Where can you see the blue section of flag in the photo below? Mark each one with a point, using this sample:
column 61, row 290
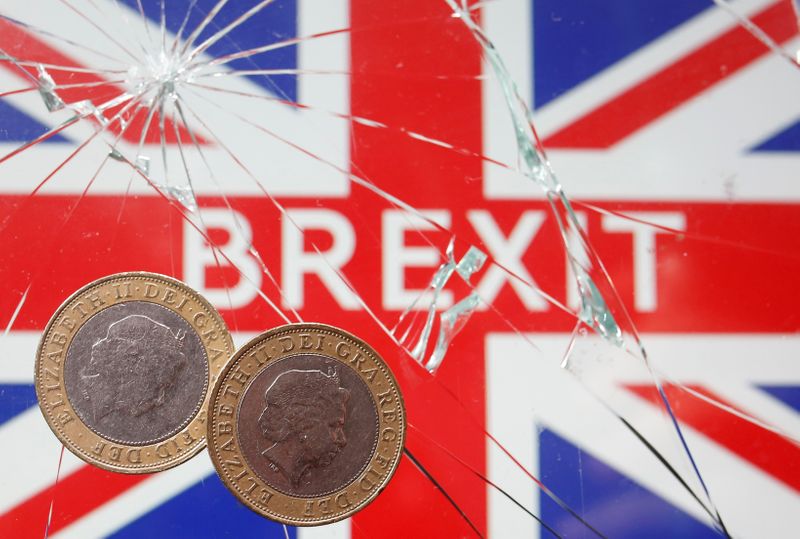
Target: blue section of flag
column 16, row 126
column 786, row 140
column 15, row 399
column 611, row 502
column 789, row 395
column 207, row 509
column 576, row 39
column 274, row 23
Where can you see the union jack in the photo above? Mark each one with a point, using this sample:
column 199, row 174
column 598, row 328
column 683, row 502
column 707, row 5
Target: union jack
column 333, row 174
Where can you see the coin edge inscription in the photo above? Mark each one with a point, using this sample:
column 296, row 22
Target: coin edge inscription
column 154, row 462
column 297, row 517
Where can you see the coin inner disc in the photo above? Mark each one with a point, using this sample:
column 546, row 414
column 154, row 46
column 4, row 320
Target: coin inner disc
column 307, row 425
column 136, row 373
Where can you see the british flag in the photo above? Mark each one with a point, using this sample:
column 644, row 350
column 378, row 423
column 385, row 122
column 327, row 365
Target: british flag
column 330, row 156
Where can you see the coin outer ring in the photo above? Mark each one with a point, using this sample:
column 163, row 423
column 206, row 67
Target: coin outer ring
column 52, row 350
column 223, row 429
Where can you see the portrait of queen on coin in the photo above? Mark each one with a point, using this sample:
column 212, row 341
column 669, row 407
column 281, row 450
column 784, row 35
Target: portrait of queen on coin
column 304, row 417
column 135, row 343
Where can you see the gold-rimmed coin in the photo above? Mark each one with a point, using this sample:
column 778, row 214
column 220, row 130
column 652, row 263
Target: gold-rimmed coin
column 124, row 370
column 306, row 424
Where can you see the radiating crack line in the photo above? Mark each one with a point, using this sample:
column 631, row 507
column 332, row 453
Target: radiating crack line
column 62, row 87
column 466, row 412
column 180, row 208
column 251, row 248
column 244, row 17
column 15, row 314
column 284, row 213
column 148, row 119
column 100, row 29
column 202, row 26
column 83, row 145
column 294, row 41
column 65, row 124
column 175, row 125
column 398, row 203
column 324, row 258
column 115, row 22
column 55, row 234
column 52, row 35
column 741, row 414
column 531, row 150
column 128, row 24
column 267, row 72
column 53, row 499
column 685, row 233
column 757, row 32
column 145, row 23
column 58, row 67
column 486, row 480
column 225, row 59
column 442, row 490
column 163, row 27
column 182, row 27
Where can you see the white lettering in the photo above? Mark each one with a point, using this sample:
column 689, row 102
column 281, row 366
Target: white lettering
column 397, row 256
column 508, row 251
column 297, row 262
column 644, row 227
column 199, row 255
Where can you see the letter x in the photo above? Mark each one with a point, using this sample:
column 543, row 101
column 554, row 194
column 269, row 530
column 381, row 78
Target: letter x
column 508, row 251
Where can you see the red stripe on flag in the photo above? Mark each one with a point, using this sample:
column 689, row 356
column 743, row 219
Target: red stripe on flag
column 73, row 497
column 26, row 47
column 769, row 451
column 676, row 84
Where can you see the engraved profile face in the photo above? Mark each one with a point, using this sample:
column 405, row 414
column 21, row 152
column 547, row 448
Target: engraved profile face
column 308, row 424
column 303, row 420
column 113, row 379
column 136, row 373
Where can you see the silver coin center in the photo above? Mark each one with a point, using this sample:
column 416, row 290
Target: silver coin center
column 136, row 373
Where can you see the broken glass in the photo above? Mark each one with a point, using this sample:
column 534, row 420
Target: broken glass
column 570, row 228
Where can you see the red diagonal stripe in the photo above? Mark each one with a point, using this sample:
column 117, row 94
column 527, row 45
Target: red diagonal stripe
column 73, row 497
column 21, row 44
column 771, row 452
column 679, row 82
